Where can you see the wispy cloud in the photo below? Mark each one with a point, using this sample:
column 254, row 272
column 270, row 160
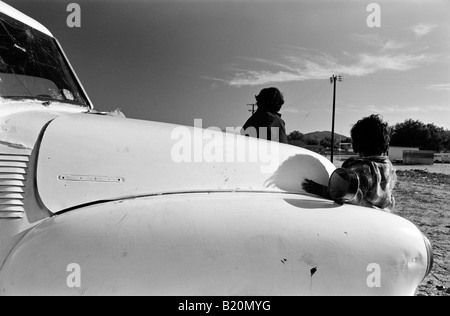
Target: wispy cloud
column 423, row 29
column 311, row 66
column 389, row 109
column 376, row 41
column 290, row 110
column 440, row 87
column 396, row 109
column 441, row 108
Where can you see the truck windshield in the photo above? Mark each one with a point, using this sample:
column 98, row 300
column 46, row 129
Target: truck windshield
column 33, row 67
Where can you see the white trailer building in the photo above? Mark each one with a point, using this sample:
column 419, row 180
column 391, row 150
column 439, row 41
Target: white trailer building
column 396, row 153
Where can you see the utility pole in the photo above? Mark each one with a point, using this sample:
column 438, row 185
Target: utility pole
column 333, row 80
column 253, row 108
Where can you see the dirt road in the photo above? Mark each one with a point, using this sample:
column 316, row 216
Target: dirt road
column 424, row 198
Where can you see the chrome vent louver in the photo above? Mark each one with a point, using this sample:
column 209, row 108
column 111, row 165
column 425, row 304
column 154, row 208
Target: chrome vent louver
column 13, row 174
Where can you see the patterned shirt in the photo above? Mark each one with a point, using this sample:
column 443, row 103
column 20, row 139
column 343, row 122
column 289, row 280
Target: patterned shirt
column 378, row 179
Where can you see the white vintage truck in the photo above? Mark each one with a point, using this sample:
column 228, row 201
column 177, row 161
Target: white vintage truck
column 95, row 204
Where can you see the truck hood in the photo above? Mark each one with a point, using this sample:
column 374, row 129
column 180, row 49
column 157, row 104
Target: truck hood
column 86, row 159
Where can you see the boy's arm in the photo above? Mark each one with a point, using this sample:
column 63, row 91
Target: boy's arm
column 316, row 188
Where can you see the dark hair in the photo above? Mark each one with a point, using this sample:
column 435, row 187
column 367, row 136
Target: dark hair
column 371, row 136
column 270, row 99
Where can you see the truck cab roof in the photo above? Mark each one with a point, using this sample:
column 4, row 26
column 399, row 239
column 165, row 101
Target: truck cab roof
column 19, row 16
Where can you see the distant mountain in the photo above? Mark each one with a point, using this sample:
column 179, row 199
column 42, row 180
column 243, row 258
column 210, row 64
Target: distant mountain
column 322, row 135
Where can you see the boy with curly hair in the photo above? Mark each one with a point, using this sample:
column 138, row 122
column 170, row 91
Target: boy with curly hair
column 377, row 175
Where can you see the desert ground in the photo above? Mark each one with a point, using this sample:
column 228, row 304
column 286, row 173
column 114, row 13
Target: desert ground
column 423, row 197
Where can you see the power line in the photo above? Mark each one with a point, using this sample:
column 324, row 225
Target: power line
column 320, row 99
column 392, row 82
column 309, row 95
column 391, row 79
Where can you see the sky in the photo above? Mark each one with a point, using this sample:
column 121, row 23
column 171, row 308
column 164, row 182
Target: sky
column 179, row 60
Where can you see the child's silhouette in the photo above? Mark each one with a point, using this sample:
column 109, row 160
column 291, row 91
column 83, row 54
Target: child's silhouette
column 374, row 170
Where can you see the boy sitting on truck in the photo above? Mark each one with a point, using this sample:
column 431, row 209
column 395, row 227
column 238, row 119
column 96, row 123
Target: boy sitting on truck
column 375, row 172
